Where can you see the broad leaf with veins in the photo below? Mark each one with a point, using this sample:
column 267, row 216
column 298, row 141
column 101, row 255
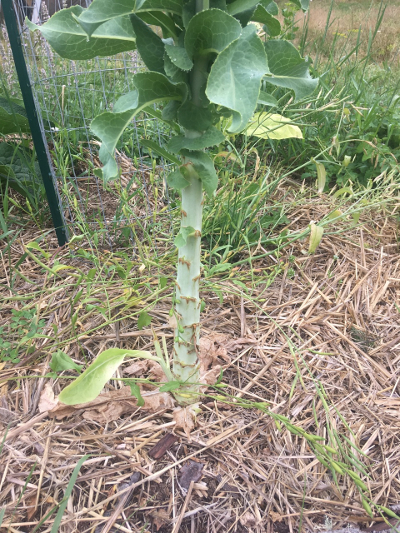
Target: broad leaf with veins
column 235, row 77
column 210, row 31
column 70, row 40
column 288, row 69
column 151, row 87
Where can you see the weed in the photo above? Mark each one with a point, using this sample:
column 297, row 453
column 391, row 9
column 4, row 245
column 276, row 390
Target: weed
column 23, row 329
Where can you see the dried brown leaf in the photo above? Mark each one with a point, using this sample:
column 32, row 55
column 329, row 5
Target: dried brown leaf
column 47, row 400
column 212, row 350
column 248, row 520
column 147, row 368
column 185, row 418
column 159, row 518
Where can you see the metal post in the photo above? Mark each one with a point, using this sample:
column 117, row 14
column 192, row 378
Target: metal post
column 38, row 138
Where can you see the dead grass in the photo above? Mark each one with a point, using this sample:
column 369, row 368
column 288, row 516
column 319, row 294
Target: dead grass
column 337, row 308
column 346, row 20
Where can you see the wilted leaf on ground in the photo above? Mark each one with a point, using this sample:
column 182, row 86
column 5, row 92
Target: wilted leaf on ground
column 248, row 520
column 212, row 350
column 272, row 126
column 185, row 418
column 89, row 384
column 47, row 400
column 146, row 369
column 112, row 405
column 315, row 237
column 159, row 518
column 61, row 361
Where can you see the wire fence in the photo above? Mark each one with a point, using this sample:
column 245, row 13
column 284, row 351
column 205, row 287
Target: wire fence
column 68, row 95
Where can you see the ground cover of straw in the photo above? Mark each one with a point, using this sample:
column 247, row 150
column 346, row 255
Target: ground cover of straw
column 337, row 308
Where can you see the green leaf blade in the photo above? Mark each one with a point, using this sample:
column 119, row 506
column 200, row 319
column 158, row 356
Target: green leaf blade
column 209, row 138
column 149, row 45
column 272, row 25
column 144, row 320
column 90, row 383
column 177, row 181
column 61, row 361
column 179, row 57
column 210, row 31
column 13, row 117
column 182, row 237
column 235, row 78
column 136, row 392
column 151, row 87
column 288, row 69
column 71, row 41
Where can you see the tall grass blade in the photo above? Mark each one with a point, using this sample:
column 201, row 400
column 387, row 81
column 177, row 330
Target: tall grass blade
column 68, row 492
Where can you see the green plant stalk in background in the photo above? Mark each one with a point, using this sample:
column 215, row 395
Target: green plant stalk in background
column 208, row 71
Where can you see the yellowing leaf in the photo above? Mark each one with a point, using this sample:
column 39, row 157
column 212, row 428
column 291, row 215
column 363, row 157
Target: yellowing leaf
column 272, row 126
column 315, row 237
column 335, row 214
column 321, row 176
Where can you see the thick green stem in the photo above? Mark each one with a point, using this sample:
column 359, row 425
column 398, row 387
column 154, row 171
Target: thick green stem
column 187, row 334
column 186, row 367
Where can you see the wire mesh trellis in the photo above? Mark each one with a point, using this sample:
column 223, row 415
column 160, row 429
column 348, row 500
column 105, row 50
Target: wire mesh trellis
column 68, row 95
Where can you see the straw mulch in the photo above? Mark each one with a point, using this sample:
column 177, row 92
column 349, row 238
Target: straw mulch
column 330, row 318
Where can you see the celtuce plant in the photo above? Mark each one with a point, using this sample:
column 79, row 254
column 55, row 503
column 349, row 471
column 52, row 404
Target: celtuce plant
column 207, row 65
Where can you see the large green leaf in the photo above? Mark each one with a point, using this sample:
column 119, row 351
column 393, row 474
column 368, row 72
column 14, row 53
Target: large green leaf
column 179, row 57
column 189, row 9
column 101, row 11
column 288, row 69
column 90, row 383
column 204, row 167
column 70, row 40
column 211, row 137
column 151, row 87
column 271, row 7
column 235, row 78
column 149, row 45
column 272, row 25
column 13, row 117
column 272, row 126
column 210, row 31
